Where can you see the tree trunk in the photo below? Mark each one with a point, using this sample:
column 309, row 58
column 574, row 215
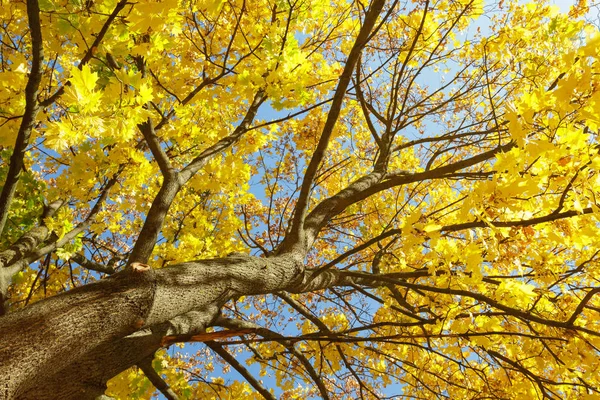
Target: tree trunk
column 69, row 346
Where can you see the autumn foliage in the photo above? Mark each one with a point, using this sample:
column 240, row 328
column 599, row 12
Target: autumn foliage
column 299, row 199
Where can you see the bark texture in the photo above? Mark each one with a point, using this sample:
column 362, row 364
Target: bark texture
column 109, row 326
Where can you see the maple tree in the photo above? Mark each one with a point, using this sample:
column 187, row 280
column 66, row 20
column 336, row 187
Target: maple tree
column 333, row 199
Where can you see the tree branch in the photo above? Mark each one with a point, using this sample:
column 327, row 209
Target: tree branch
column 582, row 305
column 91, row 265
column 16, row 261
column 29, row 116
column 268, row 334
column 364, row 107
column 296, row 233
column 173, row 182
column 23, row 246
column 146, row 366
column 375, row 182
column 30, row 239
column 459, row 227
column 90, row 51
column 330, row 278
column 147, row 129
column 303, row 311
column 224, row 354
column 201, row 160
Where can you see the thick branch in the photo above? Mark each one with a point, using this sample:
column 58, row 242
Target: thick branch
column 23, row 246
column 296, row 234
column 29, row 116
column 375, row 182
column 30, row 239
column 173, row 182
column 582, row 304
column 402, row 178
column 91, row 265
column 154, row 220
column 81, row 227
column 25, row 250
column 147, row 129
column 331, row 278
column 129, row 306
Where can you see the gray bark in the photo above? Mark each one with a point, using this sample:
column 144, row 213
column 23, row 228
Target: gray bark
column 106, row 327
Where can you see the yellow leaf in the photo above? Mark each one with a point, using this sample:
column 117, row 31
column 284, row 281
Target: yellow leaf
column 432, row 228
column 83, row 80
column 145, row 93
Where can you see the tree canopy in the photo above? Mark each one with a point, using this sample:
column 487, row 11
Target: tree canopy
column 296, row 199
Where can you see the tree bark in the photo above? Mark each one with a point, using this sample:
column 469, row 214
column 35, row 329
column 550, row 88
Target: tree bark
column 68, row 346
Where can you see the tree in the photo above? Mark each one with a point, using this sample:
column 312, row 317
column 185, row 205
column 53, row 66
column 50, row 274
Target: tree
column 338, row 199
